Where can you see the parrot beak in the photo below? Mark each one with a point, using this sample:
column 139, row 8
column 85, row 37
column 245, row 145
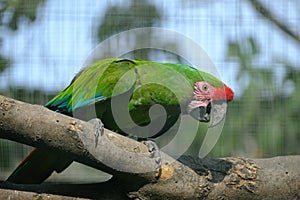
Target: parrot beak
column 219, row 109
column 202, row 113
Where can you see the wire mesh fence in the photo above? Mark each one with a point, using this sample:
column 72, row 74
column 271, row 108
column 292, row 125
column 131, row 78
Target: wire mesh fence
column 43, row 44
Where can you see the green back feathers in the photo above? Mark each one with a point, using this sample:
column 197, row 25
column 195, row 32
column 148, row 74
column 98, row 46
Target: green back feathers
column 195, row 75
column 153, row 82
column 91, row 84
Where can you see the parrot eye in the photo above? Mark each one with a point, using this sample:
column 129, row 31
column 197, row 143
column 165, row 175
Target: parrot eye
column 204, row 87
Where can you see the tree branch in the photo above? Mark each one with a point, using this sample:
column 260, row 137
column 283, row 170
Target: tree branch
column 37, row 126
column 188, row 178
column 266, row 13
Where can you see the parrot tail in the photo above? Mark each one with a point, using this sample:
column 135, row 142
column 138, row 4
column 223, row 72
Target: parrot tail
column 37, row 167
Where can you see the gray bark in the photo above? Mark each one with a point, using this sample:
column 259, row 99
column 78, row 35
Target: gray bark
column 185, row 178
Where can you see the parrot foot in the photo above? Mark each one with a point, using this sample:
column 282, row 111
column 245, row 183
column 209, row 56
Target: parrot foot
column 99, row 129
column 154, row 152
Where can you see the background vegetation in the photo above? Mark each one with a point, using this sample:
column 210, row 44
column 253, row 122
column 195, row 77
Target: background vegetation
column 263, row 121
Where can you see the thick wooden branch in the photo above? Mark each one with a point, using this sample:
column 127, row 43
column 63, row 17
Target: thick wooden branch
column 37, row 126
column 189, row 178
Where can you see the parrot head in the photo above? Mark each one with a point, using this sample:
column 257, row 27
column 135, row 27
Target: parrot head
column 205, row 98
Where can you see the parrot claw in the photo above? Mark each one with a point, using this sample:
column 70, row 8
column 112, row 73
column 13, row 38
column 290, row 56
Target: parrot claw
column 99, row 129
column 154, row 152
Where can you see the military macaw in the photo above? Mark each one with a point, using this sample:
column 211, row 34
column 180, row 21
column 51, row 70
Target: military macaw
column 179, row 88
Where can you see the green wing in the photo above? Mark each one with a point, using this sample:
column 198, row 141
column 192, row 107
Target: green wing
column 92, row 84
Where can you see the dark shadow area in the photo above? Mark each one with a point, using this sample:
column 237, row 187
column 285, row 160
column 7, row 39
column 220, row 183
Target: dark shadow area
column 105, row 190
column 218, row 168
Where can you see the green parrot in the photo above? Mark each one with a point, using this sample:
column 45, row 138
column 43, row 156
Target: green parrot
column 125, row 94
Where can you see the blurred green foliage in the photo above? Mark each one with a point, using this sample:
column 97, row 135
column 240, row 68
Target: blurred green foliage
column 12, row 14
column 4, row 62
column 119, row 18
column 262, row 121
column 136, row 14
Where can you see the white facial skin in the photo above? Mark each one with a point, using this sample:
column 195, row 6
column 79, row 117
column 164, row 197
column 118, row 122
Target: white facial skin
column 202, row 95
